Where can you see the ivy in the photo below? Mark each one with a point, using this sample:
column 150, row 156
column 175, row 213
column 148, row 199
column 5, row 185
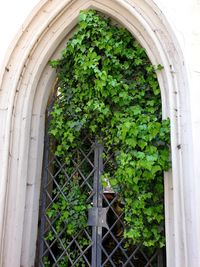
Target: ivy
column 108, row 89
column 65, row 208
column 69, row 216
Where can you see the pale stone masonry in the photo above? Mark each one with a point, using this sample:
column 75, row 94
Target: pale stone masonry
column 170, row 33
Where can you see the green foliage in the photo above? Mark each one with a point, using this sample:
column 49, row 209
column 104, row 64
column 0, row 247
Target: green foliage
column 70, row 204
column 108, row 89
column 68, row 215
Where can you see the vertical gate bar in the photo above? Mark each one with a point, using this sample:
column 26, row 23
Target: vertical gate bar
column 100, row 171
column 97, row 202
column 95, row 205
column 100, row 204
column 43, row 197
column 44, row 180
column 160, row 258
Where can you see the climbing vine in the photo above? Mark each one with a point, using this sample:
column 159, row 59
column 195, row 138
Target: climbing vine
column 108, row 90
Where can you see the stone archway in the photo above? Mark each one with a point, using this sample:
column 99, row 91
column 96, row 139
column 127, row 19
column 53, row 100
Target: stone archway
column 25, row 88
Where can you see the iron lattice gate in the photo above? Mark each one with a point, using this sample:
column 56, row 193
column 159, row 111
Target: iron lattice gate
column 101, row 241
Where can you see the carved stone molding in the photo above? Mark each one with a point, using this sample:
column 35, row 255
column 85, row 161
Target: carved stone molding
column 25, row 86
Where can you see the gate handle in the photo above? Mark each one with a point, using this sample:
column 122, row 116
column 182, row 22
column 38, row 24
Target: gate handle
column 98, row 217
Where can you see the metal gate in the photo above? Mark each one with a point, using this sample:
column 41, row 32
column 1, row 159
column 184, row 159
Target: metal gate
column 101, row 241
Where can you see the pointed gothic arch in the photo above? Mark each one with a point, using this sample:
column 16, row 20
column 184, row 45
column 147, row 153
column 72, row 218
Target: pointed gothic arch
column 24, row 91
